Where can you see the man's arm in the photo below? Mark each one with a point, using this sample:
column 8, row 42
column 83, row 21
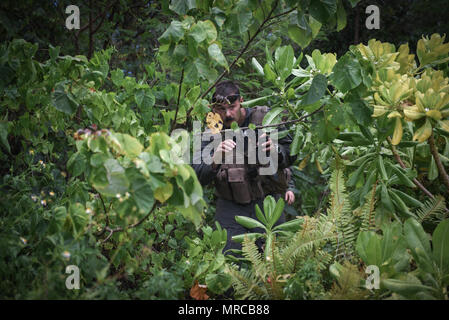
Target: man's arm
column 205, row 172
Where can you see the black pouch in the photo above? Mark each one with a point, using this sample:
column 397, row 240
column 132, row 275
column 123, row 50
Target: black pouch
column 239, row 185
column 222, row 188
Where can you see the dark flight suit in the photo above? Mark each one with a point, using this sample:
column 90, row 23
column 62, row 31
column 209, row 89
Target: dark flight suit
column 226, row 210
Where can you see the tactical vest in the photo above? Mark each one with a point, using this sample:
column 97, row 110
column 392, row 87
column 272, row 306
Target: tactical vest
column 242, row 183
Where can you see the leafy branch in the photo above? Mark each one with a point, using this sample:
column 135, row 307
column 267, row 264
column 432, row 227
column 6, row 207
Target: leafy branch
column 244, row 49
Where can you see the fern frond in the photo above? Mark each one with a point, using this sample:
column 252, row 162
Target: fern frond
column 246, row 284
column 341, row 214
column 251, row 252
column 433, row 210
column 367, row 211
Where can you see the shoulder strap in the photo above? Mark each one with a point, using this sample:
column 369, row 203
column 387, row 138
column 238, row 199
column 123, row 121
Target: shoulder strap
column 258, row 114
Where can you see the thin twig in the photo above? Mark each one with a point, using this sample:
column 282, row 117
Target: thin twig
column 119, row 229
column 173, row 124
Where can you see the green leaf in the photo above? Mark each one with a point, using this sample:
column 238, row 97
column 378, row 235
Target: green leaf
column 77, row 164
column 440, row 242
column 385, row 199
column 297, row 141
column 117, row 77
column 316, row 91
column 406, row 288
column 249, row 223
column 252, row 236
column 79, row 218
column 353, row 2
column 341, row 16
column 63, row 101
column 257, row 66
column 116, row 180
column 276, row 213
column 325, row 131
column 322, row 10
column 268, row 207
column 181, row 7
column 218, row 283
column 174, row 33
column 216, row 54
column 142, row 194
column 418, row 243
column 239, row 21
column 361, row 112
column 354, row 177
column 346, row 74
column 292, row 225
column 125, row 144
column 433, row 171
column 402, row 177
column 163, row 193
column 272, row 116
column 284, row 59
column 145, row 100
column 368, row 246
column 300, row 36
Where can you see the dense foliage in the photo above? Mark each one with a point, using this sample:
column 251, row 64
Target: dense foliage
column 91, row 162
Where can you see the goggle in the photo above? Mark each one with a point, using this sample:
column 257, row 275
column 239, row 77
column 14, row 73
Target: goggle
column 218, row 99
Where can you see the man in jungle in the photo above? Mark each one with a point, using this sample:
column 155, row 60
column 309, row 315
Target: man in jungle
column 240, row 187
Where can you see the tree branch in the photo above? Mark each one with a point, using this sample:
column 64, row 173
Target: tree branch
column 236, row 59
column 173, row 124
column 119, row 229
column 440, row 167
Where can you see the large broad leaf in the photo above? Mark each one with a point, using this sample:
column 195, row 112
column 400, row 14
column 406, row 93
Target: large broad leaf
column 63, row 101
column 216, row 54
column 361, row 112
column 316, row 91
column 300, row 36
column 369, row 248
column 440, row 241
column 325, row 130
column 285, row 58
column 249, row 223
column 277, row 212
column 406, row 288
column 181, row 7
column 145, row 100
column 218, row 283
column 142, row 194
column 174, row 33
column 77, row 164
column 117, row 182
column 322, row 10
column 341, row 16
column 272, row 116
column 239, row 21
column 346, row 74
column 125, row 144
column 419, row 244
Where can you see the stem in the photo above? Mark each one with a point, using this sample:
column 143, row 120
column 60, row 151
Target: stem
column 272, row 125
column 173, row 124
column 119, row 229
column 401, row 163
column 441, row 170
